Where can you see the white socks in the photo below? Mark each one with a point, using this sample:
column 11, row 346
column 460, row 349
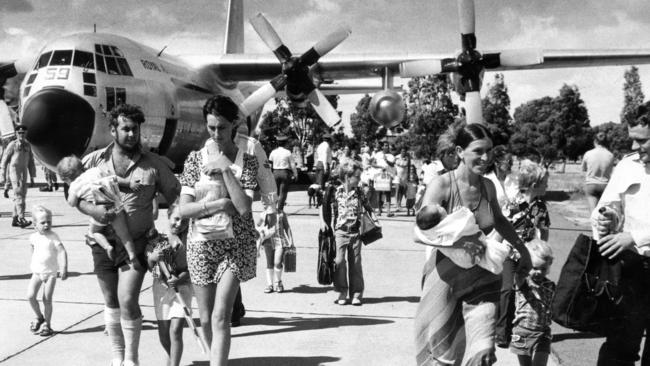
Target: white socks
column 278, row 275
column 114, row 329
column 269, row 277
column 131, row 329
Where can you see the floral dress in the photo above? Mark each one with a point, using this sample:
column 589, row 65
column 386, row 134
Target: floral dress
column 209, row 259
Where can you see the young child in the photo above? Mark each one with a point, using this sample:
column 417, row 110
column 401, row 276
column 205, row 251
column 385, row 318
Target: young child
column 46, row 250
column 274, row 249
column 411, row 192
column 98, row 188
column 531, row 335
column 314, row 194
column 169, row 251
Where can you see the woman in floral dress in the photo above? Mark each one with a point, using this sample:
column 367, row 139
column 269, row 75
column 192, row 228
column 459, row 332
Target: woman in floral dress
column 217, row 266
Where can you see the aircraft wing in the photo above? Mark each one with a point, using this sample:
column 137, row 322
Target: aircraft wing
column 258, row 67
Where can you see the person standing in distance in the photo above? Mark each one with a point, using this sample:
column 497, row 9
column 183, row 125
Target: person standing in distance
column 597, row 164
column 121, row 279
column 323, row 161
column 17, row 161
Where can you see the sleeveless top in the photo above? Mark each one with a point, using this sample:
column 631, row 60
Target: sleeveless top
column 482, row 212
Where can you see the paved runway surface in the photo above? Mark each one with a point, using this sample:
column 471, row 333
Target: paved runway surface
column 299, row 327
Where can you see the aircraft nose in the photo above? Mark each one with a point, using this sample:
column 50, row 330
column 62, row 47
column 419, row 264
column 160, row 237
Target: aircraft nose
column 59, row 123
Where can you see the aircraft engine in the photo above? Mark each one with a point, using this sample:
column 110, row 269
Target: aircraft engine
column 387, row 108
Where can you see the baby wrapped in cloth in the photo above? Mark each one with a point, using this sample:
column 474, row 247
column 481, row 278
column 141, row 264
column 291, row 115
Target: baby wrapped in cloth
column 458, row 237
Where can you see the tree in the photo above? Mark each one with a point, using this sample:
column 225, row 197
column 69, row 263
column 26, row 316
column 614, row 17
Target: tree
column 554, row 128
column 496, row 111
column 301, row 123
column 363, row 127
column 632, row 94
column 430, row 112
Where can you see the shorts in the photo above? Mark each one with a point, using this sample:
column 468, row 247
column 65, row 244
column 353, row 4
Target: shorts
column 410, row 203
column 45, row 276
column 274, row 244
column 166, row 304
column 595, row 189
column 526, row 342
column 103, row 264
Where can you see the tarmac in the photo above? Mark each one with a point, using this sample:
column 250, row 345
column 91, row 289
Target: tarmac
column 301, row 326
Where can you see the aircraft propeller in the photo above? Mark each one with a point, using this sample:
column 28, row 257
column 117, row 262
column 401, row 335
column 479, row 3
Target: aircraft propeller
column 468, row 67
column 295, row 71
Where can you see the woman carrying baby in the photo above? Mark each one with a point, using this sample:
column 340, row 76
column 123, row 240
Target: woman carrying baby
column 456, row 316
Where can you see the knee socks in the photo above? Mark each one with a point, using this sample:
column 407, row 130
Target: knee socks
column 131, row 329
column 114, row 329
column 269, row 276
column 278, row 274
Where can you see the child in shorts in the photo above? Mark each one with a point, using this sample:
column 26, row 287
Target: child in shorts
column 98, row 188
column 170, row 251
column 531, row 335
column 273, row 249
column 411, row 192
column 47, row 249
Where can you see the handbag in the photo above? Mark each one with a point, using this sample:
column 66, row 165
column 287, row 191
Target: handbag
column 289, row 259
column 590, row 295
column 382, row 182
column 283, row 231
column 369, row 229
column 326, row 255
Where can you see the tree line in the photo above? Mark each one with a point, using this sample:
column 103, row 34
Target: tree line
column 552, row 127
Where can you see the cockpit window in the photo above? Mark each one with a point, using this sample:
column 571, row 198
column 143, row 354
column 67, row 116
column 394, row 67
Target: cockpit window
column 84, row 59
column 43, row 60
column 116, row 64
column 61, row 58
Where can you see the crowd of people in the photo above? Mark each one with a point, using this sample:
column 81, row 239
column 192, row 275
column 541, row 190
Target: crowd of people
column 483, row 290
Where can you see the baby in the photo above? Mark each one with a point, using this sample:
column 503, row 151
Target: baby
column 96, row 187
column 430, row 216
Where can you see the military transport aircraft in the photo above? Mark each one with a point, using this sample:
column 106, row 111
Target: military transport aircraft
column 76, row 79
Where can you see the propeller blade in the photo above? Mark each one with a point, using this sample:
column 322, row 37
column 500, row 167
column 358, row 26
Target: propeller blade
column 262, row 95
column 325, row 45
column 323, row 107
column 466, row 16
column 473, row 108
column 411, row 69
column 265, row 30
column 523, row 57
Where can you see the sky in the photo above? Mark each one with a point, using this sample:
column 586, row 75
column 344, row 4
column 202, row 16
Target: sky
column 378, row 26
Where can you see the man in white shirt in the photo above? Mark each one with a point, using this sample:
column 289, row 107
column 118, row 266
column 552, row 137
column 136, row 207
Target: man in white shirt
column 283, row 167
column 623, row 232
column 323, row 160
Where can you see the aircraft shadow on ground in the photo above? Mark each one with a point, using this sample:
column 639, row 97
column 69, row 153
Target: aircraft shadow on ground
column 297, row 324
column 304, row 289
column 556, row 196
column 275, row 361
column 27, row 276
column 574, row 335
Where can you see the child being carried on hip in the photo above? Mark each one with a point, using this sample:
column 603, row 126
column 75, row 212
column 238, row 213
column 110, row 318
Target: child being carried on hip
column 97, row 187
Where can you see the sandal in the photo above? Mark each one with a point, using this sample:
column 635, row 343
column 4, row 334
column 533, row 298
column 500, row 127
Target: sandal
column 268, row 289
column 46, row 331
column 35, row 325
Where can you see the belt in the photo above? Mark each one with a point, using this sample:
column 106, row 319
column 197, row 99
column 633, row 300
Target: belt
column 353, row 228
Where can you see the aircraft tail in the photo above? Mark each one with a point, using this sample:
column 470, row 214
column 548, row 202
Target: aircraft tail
column 234, row 42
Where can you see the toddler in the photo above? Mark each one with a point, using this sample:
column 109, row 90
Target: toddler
column 169, row 251
column 273, row 240
column 411, row 192
column 96, row 187
column 46, row 247
column 531, row 335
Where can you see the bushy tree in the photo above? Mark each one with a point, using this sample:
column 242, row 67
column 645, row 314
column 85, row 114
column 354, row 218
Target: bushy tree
column 430, row 111
column 554, row 128
column 632, row 94
column 364, row 129
column 496, row 111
